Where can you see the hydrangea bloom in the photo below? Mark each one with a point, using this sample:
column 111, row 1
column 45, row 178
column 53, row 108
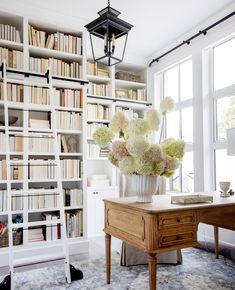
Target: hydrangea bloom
column 119, row 149
column 137, row 146
column 167, row 105
column 112, row 159
column 154, row 153
column 103, row 136
column 127, row 165
column 153, row 119
column 137, row 127
column 171, row 163
column 119, row 123
column 173, row 148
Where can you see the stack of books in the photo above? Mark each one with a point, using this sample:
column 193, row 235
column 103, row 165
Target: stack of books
column 71, row 168
column 94, row 69
column 16, row 143
column 9, row 32
column 15, row 93
column 98, row 112
column 99, row 89
column 72, row 197
column 51, row 233
column 68, row 98
column 35, row 235
column 3, row 200
column 3, row 170
column 74, row 224
column 41, row 171
column 40, row 145
column 58, row 41
column 38, row 95
column 93, row 150
column 2, row 142
column 91, row 127
column 98, row 180
column 14, row 58
column 39, row 123
column 137, row 95
column 69, row 120
column 16, row 170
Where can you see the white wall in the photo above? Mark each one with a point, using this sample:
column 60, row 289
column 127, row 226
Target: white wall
column 202, row 107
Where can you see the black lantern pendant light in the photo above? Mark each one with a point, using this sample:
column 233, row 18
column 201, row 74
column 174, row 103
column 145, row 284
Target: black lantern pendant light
column 109, row 33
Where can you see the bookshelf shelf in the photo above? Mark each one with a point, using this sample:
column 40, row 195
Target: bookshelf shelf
column 43, row 210
column 48, row 53
column 129, row 84
column 11, row 44
column 98, row 121
column 70, row 109
column 95, row 78
column 72, row 180
column 71, row 154
column 73, row 207
column 69, row 132
column 2, row 213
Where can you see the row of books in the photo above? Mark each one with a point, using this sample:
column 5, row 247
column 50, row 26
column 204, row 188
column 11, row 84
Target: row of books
column 91, row 127
column 72, row 197
column 40, row 201
column 138, row 94
column 52, row 232
column 16, row 143
column 69, row 120
column 17, row 203
column 39, row 123
column 9, row 32
column 129, row 113
column 39, row 65
column 98, row 112
column 3, row 170
column 94, row 69
column 14, row 58
column 71, row 168
column 41, row 145
column 35, row 235
column 99, row 89
column 68, row 98
column 39, row 95
column 74, row 224
column 3, row 200
column 2, row 142
column 15, row 93
column 93, row 150
column 57, row 40
column 16, row 171
column 42, row 171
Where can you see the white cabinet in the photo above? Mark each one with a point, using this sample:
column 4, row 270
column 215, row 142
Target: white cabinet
column 95, row 209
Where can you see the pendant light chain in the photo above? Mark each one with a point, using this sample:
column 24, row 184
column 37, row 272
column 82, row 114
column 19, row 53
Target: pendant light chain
column 108, row 3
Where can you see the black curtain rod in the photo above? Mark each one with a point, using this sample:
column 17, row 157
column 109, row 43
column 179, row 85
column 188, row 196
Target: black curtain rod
column 187, row 41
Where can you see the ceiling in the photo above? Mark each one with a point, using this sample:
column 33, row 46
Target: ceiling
column 156, row 22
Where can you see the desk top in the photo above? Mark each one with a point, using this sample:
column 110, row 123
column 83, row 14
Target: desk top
column 162, row 203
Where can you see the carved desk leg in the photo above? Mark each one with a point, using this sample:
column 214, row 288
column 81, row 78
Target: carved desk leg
column 152, row 261
column 108, row 257
column 216, row 241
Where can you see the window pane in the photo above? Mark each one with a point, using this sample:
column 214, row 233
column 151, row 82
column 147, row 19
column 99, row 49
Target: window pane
column 171, row 85
column 176, row 181
column 225, row 116
column 186, row 84
column 224, row 168
column 187, row 125
column 224, row 65
column 187, row 173
column 172, row 124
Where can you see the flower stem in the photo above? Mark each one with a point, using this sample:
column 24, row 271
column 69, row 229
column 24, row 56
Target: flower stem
column 163, row 122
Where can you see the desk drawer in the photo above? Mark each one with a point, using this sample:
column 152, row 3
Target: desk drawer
column 176, row 219
column 173, row 239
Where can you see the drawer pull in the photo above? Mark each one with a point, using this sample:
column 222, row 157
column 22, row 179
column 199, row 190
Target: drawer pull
column 177, row 237
column 178, row 220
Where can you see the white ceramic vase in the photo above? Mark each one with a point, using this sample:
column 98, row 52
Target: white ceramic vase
column 144, row 187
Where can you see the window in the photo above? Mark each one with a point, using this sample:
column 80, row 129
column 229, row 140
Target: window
column 223, row 97
column 177, row 83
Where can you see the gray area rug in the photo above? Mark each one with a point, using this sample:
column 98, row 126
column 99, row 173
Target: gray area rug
column 199, row 271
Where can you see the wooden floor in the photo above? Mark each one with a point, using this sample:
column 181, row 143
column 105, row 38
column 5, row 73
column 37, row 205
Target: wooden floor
column 96, row 251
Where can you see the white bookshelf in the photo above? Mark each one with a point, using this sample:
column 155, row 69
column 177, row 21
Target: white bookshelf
column 91, row 165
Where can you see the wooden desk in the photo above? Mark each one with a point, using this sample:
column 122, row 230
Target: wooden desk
column 161, row 226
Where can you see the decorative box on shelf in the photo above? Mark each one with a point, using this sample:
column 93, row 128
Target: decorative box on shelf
column 127, row 76
column 191, row 199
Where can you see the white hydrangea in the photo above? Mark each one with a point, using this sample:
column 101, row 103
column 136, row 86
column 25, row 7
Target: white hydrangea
column 152, row 118
column 137, row 146
column 119, row 123
column 137, row 127
column 167, row 105
column 127, row 165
